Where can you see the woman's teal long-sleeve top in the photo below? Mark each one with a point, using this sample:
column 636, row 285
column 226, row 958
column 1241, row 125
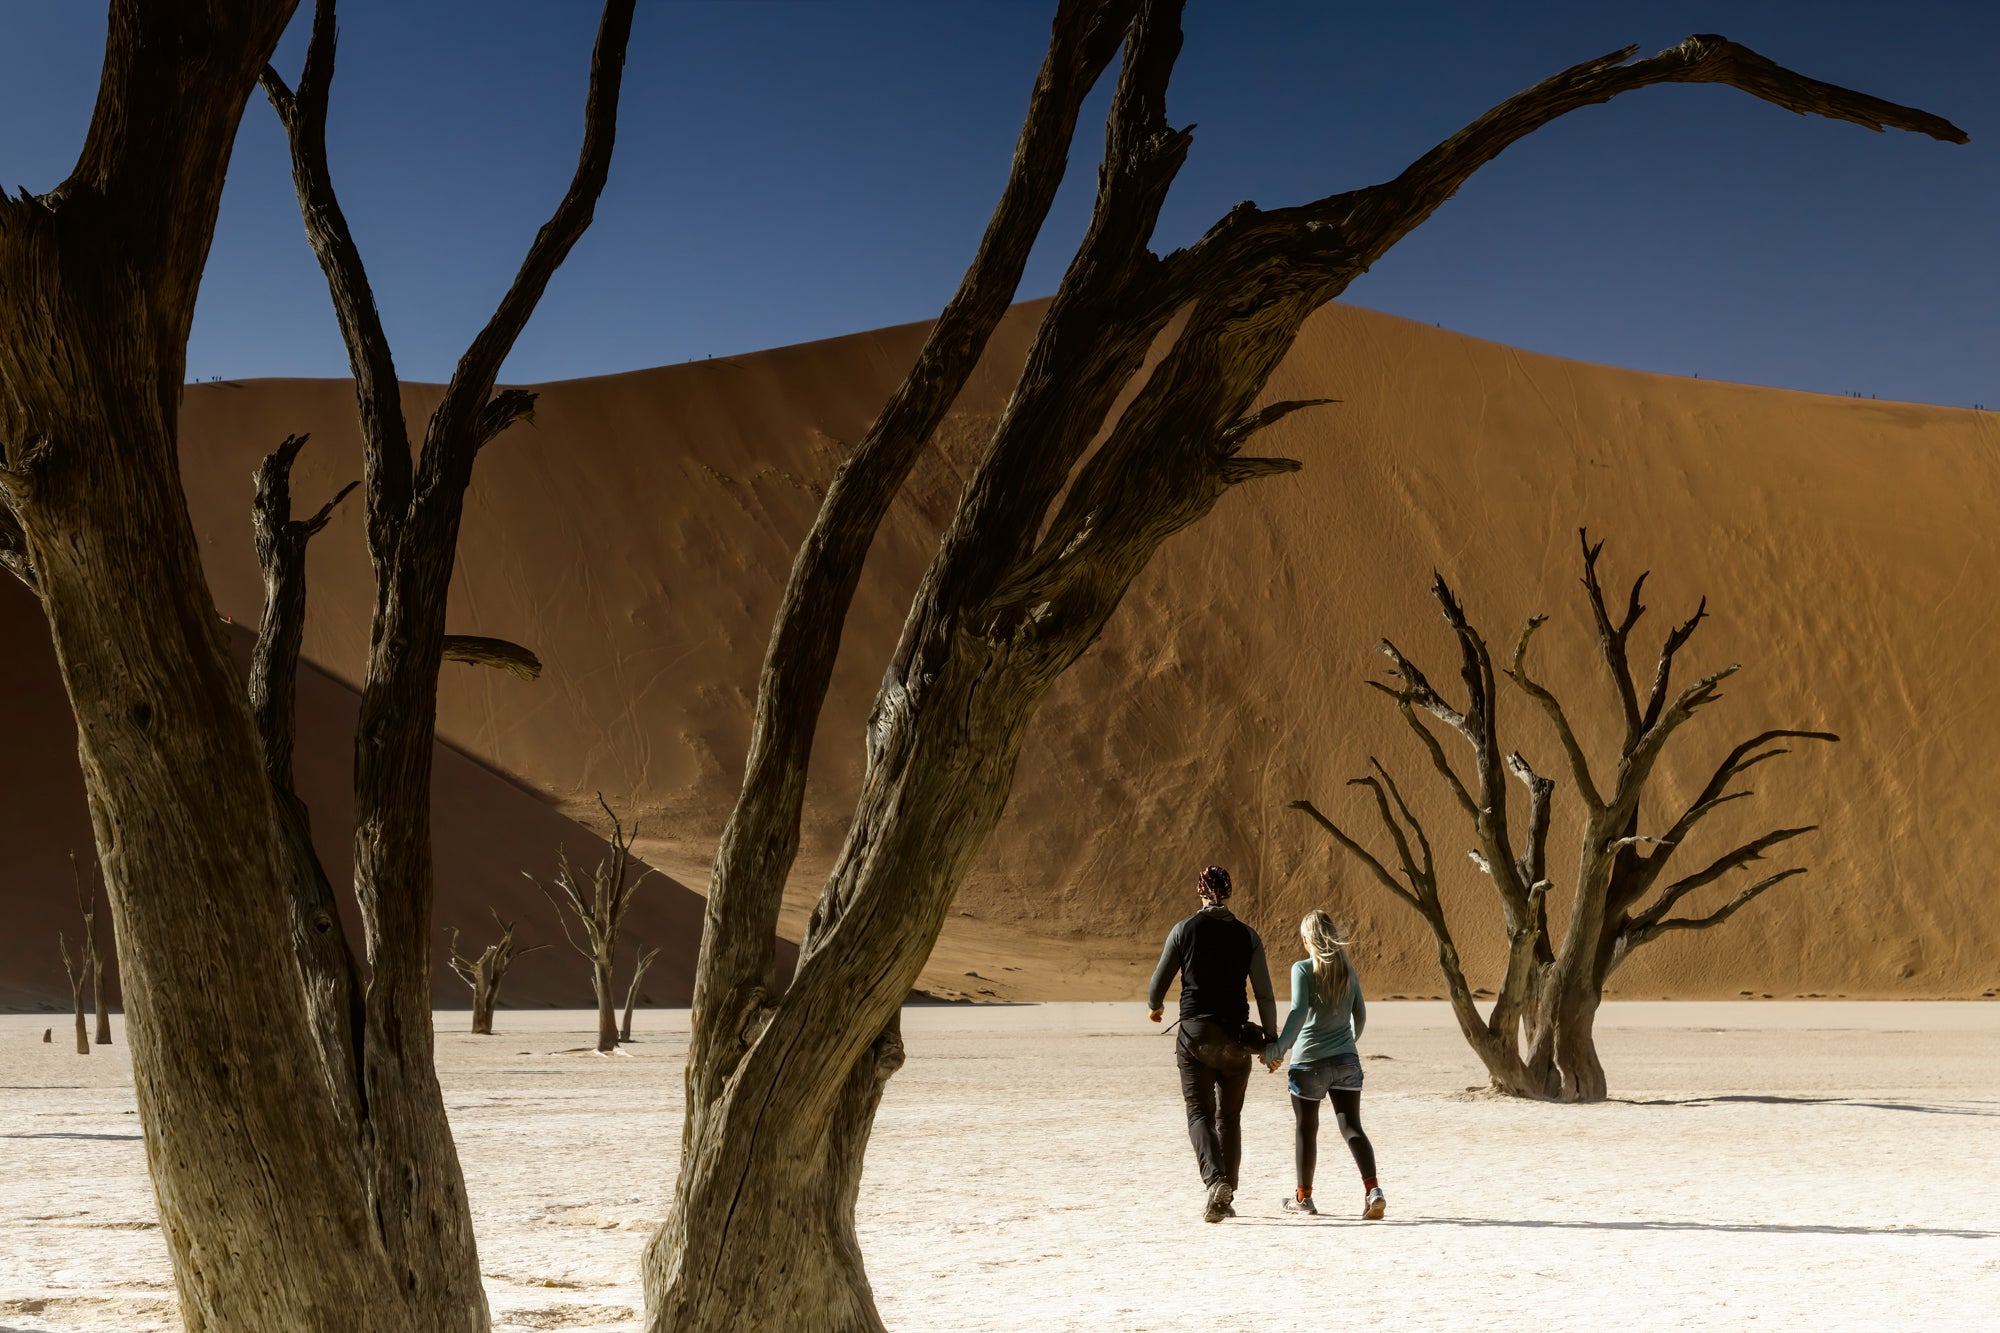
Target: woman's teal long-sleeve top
column 1322, row 1031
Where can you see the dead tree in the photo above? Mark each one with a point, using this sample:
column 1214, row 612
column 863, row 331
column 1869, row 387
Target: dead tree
column 598, row 902
column 782, row 1086
column 93, row 960
column 1538, row 1039
column 76, row 979
column 640, row 962
column 414, row 501
column 98, row 280
column 485, row 973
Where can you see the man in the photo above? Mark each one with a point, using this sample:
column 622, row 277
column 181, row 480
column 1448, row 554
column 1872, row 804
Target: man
column 1214, row 955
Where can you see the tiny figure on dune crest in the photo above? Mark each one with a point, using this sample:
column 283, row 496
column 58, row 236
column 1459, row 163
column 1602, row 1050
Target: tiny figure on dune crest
column 1327, row 1019
column 1216, row 956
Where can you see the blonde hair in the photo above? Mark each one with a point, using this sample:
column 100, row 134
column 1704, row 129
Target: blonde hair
column 1332, row 972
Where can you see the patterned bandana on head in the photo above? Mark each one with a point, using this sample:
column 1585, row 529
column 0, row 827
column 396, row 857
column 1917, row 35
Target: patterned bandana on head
column 1215, row 883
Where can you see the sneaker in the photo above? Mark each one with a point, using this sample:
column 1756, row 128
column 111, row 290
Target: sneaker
column 1220, row 1196
column 1375, row 1206
column 1294, row 1204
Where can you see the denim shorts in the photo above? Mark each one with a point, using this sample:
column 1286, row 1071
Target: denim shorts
column 1312, row 1082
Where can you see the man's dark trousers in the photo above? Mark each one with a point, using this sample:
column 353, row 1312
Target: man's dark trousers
column 1215, row 1071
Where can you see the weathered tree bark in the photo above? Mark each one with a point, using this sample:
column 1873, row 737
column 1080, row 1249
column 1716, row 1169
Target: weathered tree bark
column 414, row 505
column 599, row 907
column 1540, row 1039
column 485, row 973
column 332, row 981
column 782, row 1090
column 642, row 960
column 93, row 961
column 97, row 288
column 76, row 980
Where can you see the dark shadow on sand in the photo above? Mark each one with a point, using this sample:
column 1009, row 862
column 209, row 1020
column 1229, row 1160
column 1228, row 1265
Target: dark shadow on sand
column 1964, row 1108
column 1759, row 1228
column 134, row 1138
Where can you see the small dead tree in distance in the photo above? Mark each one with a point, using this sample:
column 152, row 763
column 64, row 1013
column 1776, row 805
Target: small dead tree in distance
column 76, row 980
column 782, row 1087
column 98, row 279
column 642, row 959
column 598, row 902
column 93, row 960
column 1538, row 1039
column 485, row 973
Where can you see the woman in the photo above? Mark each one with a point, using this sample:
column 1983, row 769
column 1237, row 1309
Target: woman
column 1328, row 1014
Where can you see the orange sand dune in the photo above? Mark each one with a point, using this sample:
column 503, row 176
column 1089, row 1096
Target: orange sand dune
column 638, row 535
column 488, row 831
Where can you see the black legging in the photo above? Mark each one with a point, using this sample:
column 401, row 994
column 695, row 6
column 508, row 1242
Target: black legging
column 1347, row 1114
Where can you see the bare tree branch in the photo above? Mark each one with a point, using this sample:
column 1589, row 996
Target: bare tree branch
column 1656, row 698
column 1532, row 865
column 1612, row 639
column 1733, row 859
column 1264, row 418
column 760, row 842
column 1236, row 471
column 281, row 556
column 1345, row 233
column 1430, row 742
column 385, row 439
column 466, row 414
column 1739, row 760
column 1579, row 765
column 479, row 650
column 1638, row 934
column 1357, row 851
column 1409, row 817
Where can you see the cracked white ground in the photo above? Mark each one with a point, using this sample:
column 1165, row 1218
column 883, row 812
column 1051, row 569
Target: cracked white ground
column 1768, row 1165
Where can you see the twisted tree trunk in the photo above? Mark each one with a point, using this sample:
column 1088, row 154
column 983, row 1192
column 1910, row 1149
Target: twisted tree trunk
column 97, row 287
column 274, row 1128
column 485, row 973
column 781, row 1089
column 415, row 500
column 641, row 960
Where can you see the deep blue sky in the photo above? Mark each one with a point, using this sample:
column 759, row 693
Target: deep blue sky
column 796, row 170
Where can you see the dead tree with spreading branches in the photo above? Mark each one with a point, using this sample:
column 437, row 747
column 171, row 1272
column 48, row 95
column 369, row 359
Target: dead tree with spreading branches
column 93, row 960
column 642, row 959
column 484, row 974
column 1063, row 509
column 77, row 976
column 1538, row 1038
column 98, row 280
column 598, row 901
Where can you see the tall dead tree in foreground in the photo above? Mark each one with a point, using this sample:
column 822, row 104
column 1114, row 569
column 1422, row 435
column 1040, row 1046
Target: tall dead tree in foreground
column 1538, row 1040
column 414, row 503
column 76, row 979
column 782, row 1087
column 93, row 960
column 641, row 960
column 599, row 901
column 98, row 279
column 485, row 973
